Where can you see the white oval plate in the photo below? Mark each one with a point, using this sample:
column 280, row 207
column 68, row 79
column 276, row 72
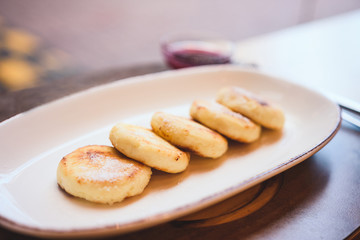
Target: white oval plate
column 33, row 143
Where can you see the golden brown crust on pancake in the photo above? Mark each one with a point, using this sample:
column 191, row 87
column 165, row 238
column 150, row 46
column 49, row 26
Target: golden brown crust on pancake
column 251, row 106
column 225, row 121
column 145, row 146
column 188, row 134
column 101, row 174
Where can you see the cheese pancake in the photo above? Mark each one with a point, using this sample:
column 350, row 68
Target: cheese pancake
column 223, row 120
column 188, row 134
column 145, row 146
column 252, row 106
column 101, row 174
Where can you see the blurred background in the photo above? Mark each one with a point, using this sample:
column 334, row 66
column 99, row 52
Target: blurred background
column 44, row 40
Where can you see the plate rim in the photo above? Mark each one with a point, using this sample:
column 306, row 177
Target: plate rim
column 112, row 229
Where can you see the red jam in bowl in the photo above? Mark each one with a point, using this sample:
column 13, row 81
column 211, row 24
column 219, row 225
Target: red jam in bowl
column 182, row 54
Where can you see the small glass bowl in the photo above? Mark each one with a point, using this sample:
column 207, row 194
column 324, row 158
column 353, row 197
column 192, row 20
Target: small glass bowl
column 195, row 49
